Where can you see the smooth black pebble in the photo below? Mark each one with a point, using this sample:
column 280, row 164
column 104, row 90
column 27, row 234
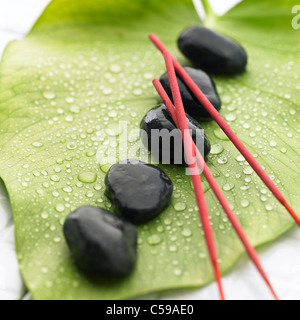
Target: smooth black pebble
column 212, row 51
column 158, row 119
column 192, row 105
column 101, row 243
column 139, row 191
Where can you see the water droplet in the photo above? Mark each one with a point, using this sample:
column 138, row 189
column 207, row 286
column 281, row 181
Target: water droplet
column 160, row 229
column 39, row 191
column 100, row 200
column 69, row 118
column 252, row 135
column 180, row 206
column 148, row 76
column 59, row 161
column 37, row 144
column 231, row 117
column 154, row 240
column 115, row 68
column 248, row 170
column 105, row 167
column 240, row 158
column 75, row 109
column 44, row 215
column 248, row 179
column 283, row 150
column 57, row 169
column 112, row 114
column 273, row 143
column 222, row 160
column 44, row 270
column 245, row 203
column 89, row 194
column 70, row 99
column 202, row 255
column 59, row 207
column 226, row 99
column 137, row 92
column 177, row 272
column 97, row 187
column 72, row 146
column 87, row 177
column 113, row 130
column 49, row 95
column 228, row 186
column 55, row 178
column 107, row 91
column 173, row 248
column 90, row 153
column 216, row 149
column 57, row 239
column 219, row 133
column 263, row 198
column 36, row 173
column 269, row 207
column 186, row 232
column 167, row 222
column 55, row 194
column 67, row 189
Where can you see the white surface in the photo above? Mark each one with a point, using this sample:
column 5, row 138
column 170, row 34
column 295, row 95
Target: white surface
column 281, row 259
column 11, row 285
column 16, row 18
column 219, row 6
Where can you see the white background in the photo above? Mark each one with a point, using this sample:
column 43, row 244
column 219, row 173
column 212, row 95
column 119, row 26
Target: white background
column 281, row 259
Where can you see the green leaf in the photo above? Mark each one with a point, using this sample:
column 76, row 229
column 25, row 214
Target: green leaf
column 86, row 66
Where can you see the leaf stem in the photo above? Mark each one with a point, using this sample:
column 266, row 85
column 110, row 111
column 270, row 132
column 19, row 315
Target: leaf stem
column 207, row 7
column 209, row 12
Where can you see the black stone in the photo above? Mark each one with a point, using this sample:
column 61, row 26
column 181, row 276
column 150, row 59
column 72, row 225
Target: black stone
column 139, row 191
column 158, row 119
column 212, row 51
column 101, row 243
column 191, row 104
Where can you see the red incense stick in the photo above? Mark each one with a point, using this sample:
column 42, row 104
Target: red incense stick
column 227, row 130
column 218, row 192
column 199, row 193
